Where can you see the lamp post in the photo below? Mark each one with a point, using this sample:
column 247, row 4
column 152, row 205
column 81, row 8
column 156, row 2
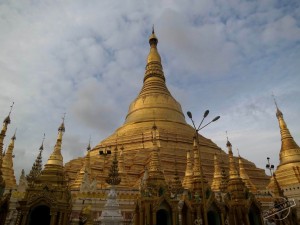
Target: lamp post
column 105, row 152
column 270, row 166
column 197, row 129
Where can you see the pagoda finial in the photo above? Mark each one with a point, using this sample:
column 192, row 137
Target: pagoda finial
column 62, row 126
column 14, row 136
column 89, row 145
column 228, row 144
column 233, row 173
column 154, row 56
column 42, row 145
column 278, row 112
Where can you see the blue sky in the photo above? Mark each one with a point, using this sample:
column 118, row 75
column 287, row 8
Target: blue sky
column 87, row 59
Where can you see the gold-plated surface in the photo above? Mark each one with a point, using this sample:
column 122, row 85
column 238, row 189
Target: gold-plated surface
column 288, row 170
column 155, row 103
column 56, row 156
column 85, row 169
column 188, row 176
column 233, row 172
column 8, row 167
column 50, row 188
column 2, row 136
column 217, row 179
column 53, row 171
column 243, row 174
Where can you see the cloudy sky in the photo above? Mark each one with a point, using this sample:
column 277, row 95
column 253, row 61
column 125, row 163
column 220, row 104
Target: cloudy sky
column 87, row 59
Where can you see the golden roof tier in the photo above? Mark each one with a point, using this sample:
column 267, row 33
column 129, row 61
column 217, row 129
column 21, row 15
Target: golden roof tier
column 155, row 104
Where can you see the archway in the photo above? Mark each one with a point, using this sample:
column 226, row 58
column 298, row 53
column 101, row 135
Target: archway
column 186, row 215
column 164, row 214
column 40, row 215
column 254, row 216
column 163, row 217
column 4, row 212
column 213, row 218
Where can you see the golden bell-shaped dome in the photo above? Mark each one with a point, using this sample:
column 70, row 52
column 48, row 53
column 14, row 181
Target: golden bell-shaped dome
column 154, row 101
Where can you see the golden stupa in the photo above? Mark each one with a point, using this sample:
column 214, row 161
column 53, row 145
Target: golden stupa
column 155, row 105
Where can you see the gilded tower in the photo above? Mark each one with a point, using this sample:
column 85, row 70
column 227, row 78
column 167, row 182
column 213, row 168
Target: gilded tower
column 4, row 198
column 243, row 207
column 8, row 167
column 287, row 173
column 47, row 199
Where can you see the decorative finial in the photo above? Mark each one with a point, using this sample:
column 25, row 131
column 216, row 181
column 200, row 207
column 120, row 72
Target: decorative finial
column 278, row 112
column 228, row 144
column 7, row 119
column 63, row 118
column 153, row 39
column 274, row 100
column 238, row 152
column 42, row 145
column 14, row 136
column 62, row 126
column 89, row 145
column 11, row 107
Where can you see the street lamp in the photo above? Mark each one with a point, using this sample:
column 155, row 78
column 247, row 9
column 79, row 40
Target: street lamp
column 105, row 152
column 270, row 166
column 197, row 129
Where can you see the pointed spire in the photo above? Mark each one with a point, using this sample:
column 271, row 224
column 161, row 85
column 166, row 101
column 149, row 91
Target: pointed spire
column 87, row 161
column 56, row 156
column 22, row 182
column 83, row 177
column 277, row 191
column 217, row 177
column 37, row 165
column 154, row 67
column 188, row 177
column 113, row 176
column 176, row 185
column 154, row 93
column 233, row 173
column 7, row 165
column 288, row 152
column 243, row 174
column 278, row 112
column 196, row 168
column 3, row 133
column 153, row 55
column 155, row 167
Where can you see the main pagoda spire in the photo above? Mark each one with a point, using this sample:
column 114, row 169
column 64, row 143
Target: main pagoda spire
column 154, row 95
